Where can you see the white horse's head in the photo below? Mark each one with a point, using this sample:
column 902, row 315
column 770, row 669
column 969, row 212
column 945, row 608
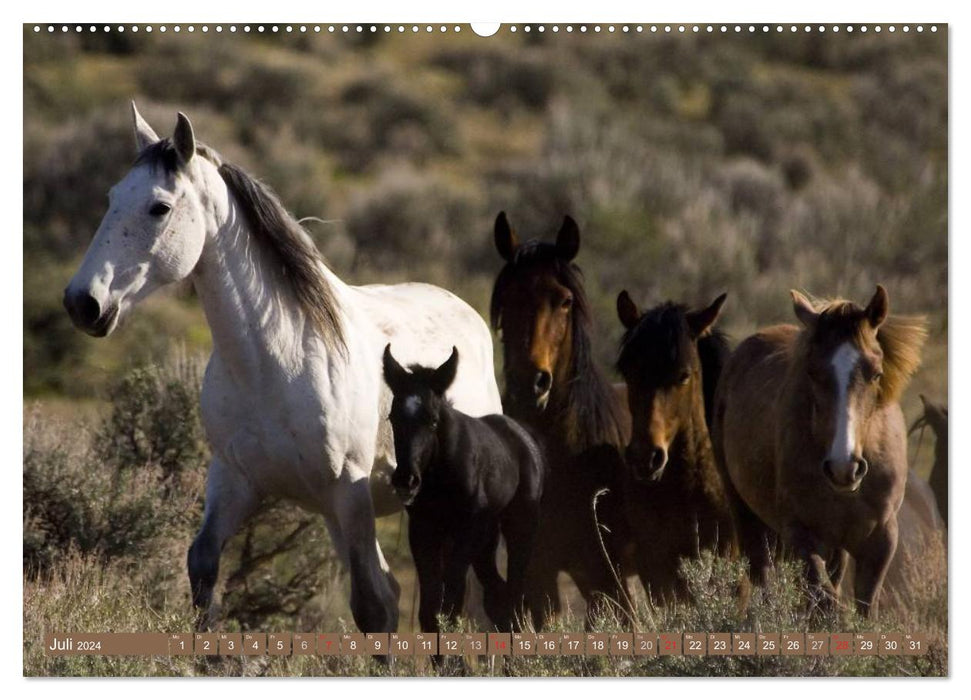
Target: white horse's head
column 152, row 234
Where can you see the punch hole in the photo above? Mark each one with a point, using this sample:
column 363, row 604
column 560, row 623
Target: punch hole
column 485, row 29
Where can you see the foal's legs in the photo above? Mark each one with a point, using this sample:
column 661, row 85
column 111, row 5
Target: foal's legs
column 230, row 500
column 494, row 596
column 468, row 544
column 427, row 541
column 872, row 561
column 374, row 592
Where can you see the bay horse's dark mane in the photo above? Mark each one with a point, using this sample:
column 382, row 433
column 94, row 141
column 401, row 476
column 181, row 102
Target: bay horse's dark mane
column 669, row 319
column 591, row 415
column 275, row 229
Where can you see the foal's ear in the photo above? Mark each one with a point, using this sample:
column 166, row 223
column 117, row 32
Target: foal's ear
column 506, row 240
column 394, row 374
column 445, row 375
column 805, row 312
column 145, row 135
column 701, row 321
column 568, row 239
column 878, row 308
column 627, row 310
column 184, row 140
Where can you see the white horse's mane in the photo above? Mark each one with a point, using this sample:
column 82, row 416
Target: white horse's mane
column 280, row 234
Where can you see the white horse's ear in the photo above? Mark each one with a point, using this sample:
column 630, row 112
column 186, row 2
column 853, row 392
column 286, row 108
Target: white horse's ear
column 803, row 308
column 184, row 140
column 145, row 135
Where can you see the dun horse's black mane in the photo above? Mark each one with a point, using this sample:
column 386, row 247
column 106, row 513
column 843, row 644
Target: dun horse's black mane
column 591, row 414
column 669, row 321
column 276, row 230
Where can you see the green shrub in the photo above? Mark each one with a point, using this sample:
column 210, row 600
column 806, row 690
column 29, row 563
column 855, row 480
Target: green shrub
column 154, row 421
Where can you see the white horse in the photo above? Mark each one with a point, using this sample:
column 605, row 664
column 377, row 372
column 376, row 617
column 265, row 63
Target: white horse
column 293, row 400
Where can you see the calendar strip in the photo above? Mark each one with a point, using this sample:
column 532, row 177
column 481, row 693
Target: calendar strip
column 518, row 644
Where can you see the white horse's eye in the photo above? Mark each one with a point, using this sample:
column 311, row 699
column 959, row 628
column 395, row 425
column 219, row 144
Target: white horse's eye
column 159, row 209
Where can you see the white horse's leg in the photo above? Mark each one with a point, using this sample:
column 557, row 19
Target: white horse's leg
column 374, row 591
column 230, row 500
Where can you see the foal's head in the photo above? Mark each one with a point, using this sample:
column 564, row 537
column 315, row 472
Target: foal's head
column 855, row 360
column 538, row 306
column 660, row 363
column 419, row 397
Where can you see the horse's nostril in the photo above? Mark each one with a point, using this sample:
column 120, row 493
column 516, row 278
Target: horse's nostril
column 83, row 308
column 542, row 383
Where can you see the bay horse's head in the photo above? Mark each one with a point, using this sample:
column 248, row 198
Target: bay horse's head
column 419, row 397
column 152, row 234
column 539, row 308
column 659, row 360
column 854, row 361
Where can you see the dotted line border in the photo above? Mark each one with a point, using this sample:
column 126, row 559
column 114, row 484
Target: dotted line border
column 511, row 28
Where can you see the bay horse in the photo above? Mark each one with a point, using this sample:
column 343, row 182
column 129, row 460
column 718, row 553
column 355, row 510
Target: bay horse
column 811, row 439
column 552, row 384
column 673, row 494
column 463, row 480
column 293, row 401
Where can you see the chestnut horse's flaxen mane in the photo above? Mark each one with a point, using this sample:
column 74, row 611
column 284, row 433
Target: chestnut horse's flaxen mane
column 901, row 339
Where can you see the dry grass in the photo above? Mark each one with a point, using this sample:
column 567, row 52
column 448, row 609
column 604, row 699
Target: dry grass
column 106, row 531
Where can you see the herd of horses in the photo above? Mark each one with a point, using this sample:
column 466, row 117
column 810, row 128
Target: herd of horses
column 357, row 401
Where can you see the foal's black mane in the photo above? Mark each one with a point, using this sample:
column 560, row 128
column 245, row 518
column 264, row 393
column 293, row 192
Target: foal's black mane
column 591, row 415
column 668, row 322
column 276, row 230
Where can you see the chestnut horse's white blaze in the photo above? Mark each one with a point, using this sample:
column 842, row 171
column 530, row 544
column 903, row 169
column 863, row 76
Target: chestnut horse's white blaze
column 293, row 400
column 845, row 444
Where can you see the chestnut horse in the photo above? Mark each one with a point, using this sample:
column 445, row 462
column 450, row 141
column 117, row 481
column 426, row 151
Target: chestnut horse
column 812, row 442
column 552, row 384
column 673, row 494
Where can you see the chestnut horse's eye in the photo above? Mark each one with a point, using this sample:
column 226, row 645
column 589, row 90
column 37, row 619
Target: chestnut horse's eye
column 877, row 376
column 685, row 376
column 159, row 209
column 566, row 303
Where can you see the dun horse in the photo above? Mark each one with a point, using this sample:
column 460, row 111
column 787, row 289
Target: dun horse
column 462, row 480
column 673, row 495
column 293, row 402
column 812, row 441
column 553, row 385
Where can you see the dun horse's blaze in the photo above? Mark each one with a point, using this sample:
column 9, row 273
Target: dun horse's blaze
column 810, row 436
